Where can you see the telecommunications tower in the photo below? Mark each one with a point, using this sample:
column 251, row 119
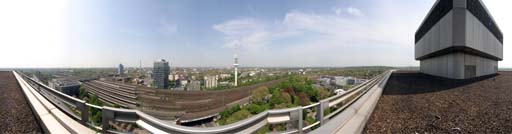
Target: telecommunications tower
column 236, row 64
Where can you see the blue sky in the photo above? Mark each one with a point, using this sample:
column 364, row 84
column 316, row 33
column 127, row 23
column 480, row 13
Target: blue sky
column 104, row 33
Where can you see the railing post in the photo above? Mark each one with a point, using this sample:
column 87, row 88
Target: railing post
column 84, row 109
column 300, row 119
column 106, row 116
column 320, row 111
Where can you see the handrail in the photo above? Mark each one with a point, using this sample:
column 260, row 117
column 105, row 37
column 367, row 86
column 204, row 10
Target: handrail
column 250, row 124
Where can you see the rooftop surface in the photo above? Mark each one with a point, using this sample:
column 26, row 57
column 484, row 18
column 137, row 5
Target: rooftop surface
column 15, row 113
column 413, row 102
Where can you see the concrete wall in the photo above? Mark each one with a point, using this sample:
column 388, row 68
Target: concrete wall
column 452, row 65
column 480, row 38
column 437, row 38
column 458, row 28
column 467, row 31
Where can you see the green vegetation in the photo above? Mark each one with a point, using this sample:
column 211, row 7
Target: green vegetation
column 295, row 91
column 358, row 72
column 227, row 113
column 83, row 92
column 95, row 114
column 246, row 81
column 43, row 76
column 239, row 115
column 90, row 73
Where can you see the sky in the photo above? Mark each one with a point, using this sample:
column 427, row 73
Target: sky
column 203, row 33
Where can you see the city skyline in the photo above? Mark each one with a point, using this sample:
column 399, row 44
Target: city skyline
column 329, row 33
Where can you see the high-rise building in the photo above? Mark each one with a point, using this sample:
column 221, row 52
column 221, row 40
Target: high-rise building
column 458, row 39
column 120, row 69
column 160, row 74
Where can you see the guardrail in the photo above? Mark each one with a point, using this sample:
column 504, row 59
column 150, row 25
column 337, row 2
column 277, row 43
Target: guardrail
column 292, row 117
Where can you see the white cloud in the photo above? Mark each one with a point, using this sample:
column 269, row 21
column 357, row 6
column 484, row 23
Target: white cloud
column 354, row 11
column 244, row 31
column 326, row 40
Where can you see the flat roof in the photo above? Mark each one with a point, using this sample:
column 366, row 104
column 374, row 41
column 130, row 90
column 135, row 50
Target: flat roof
column 413, row 102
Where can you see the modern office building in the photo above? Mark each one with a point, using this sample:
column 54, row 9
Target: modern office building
column 160, row 74
column 120, row 69
column 458, row 39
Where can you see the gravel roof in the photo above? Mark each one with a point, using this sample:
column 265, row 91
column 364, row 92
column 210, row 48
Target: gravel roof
column 418, row 103
column 15, row 114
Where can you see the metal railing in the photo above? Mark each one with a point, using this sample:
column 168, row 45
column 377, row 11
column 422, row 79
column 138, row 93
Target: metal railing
column 293, row 117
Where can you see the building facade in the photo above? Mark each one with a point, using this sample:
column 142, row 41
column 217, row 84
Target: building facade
column 458, row 39
column 120, row 69
column 160, row 74
column 211, row 81
column 65, row 86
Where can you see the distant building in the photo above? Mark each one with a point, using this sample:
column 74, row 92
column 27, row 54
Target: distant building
column 171, row 77
column 194, row 85
column 458, row 39
column 183, row 82
column 344, row 80
column 120, row 69
column 224, row 76
column 360, row 81
column 324, row 81
column 65, row 86
column 211, row 81
column 160, row 74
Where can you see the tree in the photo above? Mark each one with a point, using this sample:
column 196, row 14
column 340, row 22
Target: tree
column 240, row 115
column 276, row 98
column 95, row 113
column 256, row 109
column 322, row 93
column 83, row 92
column 259, row 94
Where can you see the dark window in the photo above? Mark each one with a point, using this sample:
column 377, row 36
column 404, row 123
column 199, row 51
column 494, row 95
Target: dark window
column 477, row 9
column 439, row 11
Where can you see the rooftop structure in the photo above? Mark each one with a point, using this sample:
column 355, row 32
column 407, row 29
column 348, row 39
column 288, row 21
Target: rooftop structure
column 459, row 39
column 160, row 74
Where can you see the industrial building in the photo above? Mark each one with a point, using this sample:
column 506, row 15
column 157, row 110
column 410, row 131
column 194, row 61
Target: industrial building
column 65, row 86
column 160, row 74
column 459, row 39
